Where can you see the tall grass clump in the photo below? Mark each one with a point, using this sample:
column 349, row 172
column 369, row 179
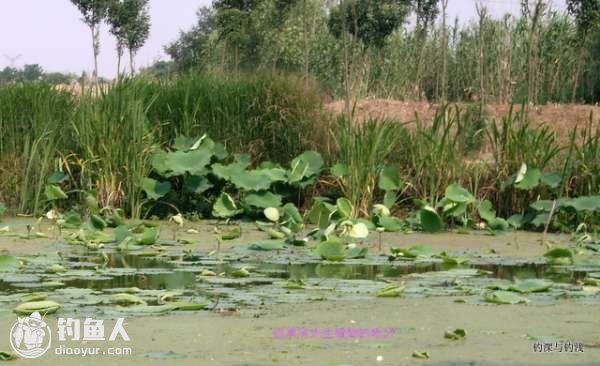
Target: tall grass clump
column 582, row 164
column 112, row 145
column 272, row 117
column 363, row 149
column 32, row 129
column 432, row 155
column 515, row 141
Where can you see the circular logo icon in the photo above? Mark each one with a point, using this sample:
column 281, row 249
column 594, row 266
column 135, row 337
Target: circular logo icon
column 30, row 337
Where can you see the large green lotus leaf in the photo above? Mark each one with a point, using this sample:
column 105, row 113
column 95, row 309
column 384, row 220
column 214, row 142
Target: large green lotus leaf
column 458, row 194
column 390, row 223
column 306, row 165
column 540, row 219
column 244, row 160
column 155, row 189
column 196, row 184
column 159, row 163
column 331, row 250
column 251, row 180
column 340, row 170
column 345, row 208
column 390, row 198
column 531, row 285
column 551, row 180
column 274, row 174
column 542, row 205
column 516, row 221
column 42, row 307
column 183, row 143
column 531, row 179
column 504, row 297
column 356, row 252
column 267, row 245
column 53, row 192
column 454, row 209
column 431, row 222
column 225, row 207
column 193, row 162
column 583, row 203
column 8, row 263
column 389, row 179
column 498, row 224
column 291, row 213
column 320, row 214
column 148, row 236
column 227, row 171
column 57, row 178
column 263, row 199
column 486, row 211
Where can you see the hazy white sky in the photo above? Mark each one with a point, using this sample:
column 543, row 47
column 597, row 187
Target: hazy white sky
column 50, row 32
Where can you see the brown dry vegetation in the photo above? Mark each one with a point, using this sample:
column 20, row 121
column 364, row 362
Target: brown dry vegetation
column 563, row 118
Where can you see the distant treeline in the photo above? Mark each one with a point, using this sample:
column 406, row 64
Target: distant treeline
column 34, row 72
column 404, row 49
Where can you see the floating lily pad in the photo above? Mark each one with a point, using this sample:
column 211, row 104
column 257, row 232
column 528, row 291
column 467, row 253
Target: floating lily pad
column 127, row 299
column 391, row 291
column 455, row 334
column 267, row 245
column 420, row 354
column 504, row 297
column 42, row 307
column 531, row 285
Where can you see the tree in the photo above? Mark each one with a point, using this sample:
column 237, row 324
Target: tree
column 188, row 50
column 33, row 72
column 93, row 12
column 587, row 16
column 369, row 21
column 136, row 27
column 116, row 19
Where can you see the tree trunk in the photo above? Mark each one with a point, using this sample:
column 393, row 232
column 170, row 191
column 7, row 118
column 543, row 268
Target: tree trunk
column 95, row 47
column 444, row 85
column 131, row 64
column 481, row 12
column 577, row 72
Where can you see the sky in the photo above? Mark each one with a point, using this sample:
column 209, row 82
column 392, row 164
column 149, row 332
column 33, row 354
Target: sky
column 50, row 32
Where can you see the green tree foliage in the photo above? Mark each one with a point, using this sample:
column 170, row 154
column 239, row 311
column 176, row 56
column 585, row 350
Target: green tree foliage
column 93, row 12
column 190, row 49
column 370, row 21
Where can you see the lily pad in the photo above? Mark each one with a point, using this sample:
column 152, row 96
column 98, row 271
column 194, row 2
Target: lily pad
column 455, row 334
column 331, row 250
column 391, row 291
column 267, row 245
column 504, row 297
column 531, row 285
column 420, row 354
column 42, row 307
column 127, row 299
column 155, row 189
